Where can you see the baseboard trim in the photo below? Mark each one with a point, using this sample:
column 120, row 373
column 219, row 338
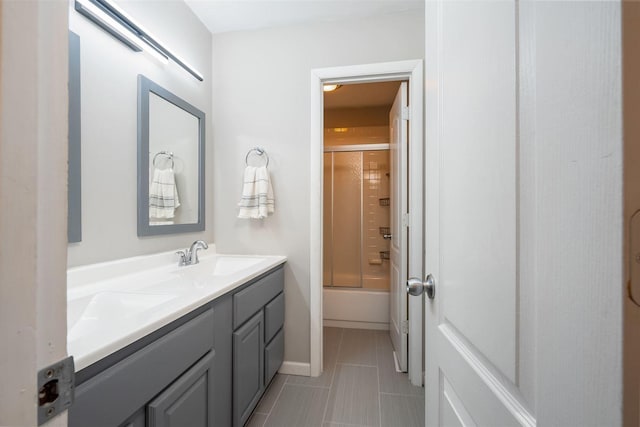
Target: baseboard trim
column 295, row 368
column 350, row 324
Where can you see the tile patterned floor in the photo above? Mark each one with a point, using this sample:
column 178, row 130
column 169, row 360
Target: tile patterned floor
column 359, row 387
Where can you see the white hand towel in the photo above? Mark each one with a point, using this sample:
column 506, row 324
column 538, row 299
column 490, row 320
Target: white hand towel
column 163, row 194
column 257, row 200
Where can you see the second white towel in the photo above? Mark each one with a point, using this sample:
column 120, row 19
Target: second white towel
column 257, row 200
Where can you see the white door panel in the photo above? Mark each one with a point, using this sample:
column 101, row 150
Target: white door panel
column 478, row 208
column 523, row 213
column 489, row 398
column 471, row 206
column 398, row 128
column 454, row 413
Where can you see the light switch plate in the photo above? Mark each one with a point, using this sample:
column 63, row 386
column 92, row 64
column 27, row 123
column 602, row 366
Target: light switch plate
column 56, row 386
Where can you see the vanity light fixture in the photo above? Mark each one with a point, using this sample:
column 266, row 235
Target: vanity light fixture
column 330, row 87
column 123, row 27
column 109, row 23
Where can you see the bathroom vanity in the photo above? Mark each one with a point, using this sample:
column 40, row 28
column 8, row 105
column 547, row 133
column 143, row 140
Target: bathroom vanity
column 219, row 345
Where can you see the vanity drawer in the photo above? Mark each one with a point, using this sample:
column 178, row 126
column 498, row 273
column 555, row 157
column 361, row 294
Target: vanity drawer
column 273, row 317
column 273, row 356
column 252, row 299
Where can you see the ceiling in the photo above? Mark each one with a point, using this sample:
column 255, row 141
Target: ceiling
column 362, row 95
column 237, row 15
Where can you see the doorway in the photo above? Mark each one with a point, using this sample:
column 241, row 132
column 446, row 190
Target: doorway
column 356, row 205
column 410, row 221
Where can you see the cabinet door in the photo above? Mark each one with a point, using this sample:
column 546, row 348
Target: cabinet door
column 188, row 401
column 248, row 368
column 273, row 356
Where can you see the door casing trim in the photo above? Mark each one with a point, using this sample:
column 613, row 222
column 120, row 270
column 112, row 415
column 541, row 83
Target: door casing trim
column 411, row 71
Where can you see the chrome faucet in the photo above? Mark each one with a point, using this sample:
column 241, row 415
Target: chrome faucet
column 190, row 256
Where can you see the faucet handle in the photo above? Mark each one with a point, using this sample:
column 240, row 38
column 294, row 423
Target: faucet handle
column 183, row 258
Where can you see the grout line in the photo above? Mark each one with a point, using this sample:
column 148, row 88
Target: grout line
column 401, row 394
column 265, row 395
column 275, row 402
column 357, row 364
column 257, row 413
column 350, row 425
column 333, row 376
column 308, row 385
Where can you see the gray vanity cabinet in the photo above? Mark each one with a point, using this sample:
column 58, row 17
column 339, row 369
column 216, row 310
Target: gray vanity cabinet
column 150, row 384
column 258, row 341
column 208, row 368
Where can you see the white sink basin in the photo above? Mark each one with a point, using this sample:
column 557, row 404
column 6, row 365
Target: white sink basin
column 227, row 265
column 107, row 307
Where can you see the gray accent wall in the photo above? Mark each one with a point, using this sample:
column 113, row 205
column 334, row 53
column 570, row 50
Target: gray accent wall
column 109, row 81
column 262, row 97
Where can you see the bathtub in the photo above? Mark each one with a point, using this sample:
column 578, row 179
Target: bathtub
column 355, row 308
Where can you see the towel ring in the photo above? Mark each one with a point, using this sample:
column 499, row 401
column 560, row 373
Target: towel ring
column 169, row 155
column 260, row 151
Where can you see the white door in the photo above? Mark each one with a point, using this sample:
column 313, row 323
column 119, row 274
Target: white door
column 521, row 126
column 398, row 127
column 471, row 210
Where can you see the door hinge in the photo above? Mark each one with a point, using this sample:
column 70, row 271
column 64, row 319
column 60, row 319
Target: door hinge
column 406, row 220
column 404, row 326
column 406, row 112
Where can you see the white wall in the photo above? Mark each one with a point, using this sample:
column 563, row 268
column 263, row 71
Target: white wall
column 261, row 96
column 109, row 71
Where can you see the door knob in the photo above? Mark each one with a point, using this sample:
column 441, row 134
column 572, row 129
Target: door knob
column 416, row 286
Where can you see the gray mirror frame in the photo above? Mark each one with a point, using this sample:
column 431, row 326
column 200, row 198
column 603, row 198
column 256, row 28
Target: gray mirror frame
column 145, row 87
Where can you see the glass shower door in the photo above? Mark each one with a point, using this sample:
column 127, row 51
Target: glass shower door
column 347, row 219
column 327, row 228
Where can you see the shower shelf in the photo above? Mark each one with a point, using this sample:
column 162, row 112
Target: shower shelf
column 384, row 255
column 385, row 230
column 385, row 201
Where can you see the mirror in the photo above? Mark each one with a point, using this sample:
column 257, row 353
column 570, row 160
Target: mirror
column 74, row 209
column 170, row 162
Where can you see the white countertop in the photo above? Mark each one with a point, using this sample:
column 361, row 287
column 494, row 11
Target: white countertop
column 111, row 305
